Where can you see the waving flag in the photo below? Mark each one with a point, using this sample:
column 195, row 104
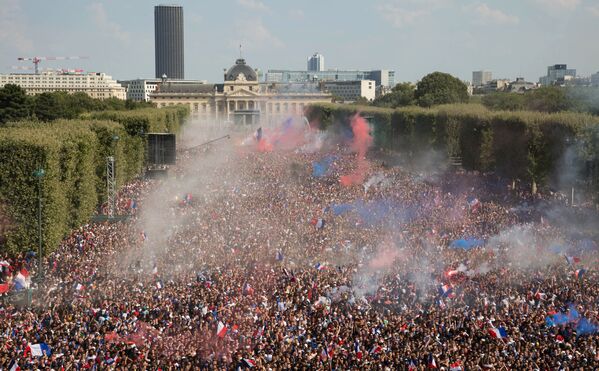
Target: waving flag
column 579, row 273
column 456, row 366
column 474, row 204
column 221, row 330
column 572, row 259
column 446, row 291
column 320, row 223
column 498, row 333
column 249, row 362
column 376, row 349
column 431, row 361
column 22, row 281
column 14, row 366
column 320, row 266
column 38, row 350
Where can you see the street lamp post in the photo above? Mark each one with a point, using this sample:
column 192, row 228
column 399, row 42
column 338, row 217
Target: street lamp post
column 39, row 174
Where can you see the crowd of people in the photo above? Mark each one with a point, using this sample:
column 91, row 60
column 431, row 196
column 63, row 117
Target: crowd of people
column 245, row 257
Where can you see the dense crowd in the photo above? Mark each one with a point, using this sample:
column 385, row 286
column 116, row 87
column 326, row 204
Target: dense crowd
column 246, row 258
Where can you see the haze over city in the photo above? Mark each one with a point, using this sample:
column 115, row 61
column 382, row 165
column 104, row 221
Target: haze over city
column 511, row 38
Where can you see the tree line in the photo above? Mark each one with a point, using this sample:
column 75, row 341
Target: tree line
column 16, row 105
column 441, row 88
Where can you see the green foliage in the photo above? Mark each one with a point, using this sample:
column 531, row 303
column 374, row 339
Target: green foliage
column 504, row 101
column 547, row 99
column 147, row 120
column 521, row 145
column 73, row 154
column 440, row 88
column 14, row 103
column 401, row 95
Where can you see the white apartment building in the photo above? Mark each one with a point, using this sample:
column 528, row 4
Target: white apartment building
column 95, row 84
column 350, row 91
column 140, row 89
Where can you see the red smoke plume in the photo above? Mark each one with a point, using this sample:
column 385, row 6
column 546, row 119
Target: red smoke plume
column 360, row 144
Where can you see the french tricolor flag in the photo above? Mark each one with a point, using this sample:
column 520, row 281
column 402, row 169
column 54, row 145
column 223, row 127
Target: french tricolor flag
column 431, row 361
column 579, row 273
column 249, row 362
column 320, row 266
column 498, row 333
column 221, row 330
column 376, row 349
column 14, row 366
column 21, row 280
column 38, row 350
column 446, row 291
column 572, row 259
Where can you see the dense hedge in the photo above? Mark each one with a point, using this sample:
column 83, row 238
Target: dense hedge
column 148, row 120
column 73, row 154
column 521, row 145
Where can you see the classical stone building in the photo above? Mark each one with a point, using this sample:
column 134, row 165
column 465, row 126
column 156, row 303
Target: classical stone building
column 241, row 98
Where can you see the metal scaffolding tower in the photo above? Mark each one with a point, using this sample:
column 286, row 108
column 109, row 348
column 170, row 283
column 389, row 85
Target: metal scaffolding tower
column 111, row 185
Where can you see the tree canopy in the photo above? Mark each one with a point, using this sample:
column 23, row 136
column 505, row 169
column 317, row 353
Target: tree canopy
column 14, row 103
column 440, row 88
column 401, row 95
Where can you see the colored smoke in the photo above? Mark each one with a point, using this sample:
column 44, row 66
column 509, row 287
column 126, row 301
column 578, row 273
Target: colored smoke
column 362, row 140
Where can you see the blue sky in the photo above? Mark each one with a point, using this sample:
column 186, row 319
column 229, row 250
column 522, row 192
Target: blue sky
column 414, row 37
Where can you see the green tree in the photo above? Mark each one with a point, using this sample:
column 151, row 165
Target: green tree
column 440, row 88
column 504, row 101
column 401, row 95
column 14, row 103
column 547, row 99
column 48, row 107
column 362, row 101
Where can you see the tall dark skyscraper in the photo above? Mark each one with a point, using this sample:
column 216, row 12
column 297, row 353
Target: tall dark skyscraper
column 168, row 41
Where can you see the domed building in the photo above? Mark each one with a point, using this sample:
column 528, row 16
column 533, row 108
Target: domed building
column 241, row 71
column 241, row 98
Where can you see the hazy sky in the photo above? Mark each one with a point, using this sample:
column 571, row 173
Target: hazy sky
column 414, row 37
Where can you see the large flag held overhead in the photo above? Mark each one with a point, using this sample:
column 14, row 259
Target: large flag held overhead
column 38, row 350
column 498, row 333
column 221, row 330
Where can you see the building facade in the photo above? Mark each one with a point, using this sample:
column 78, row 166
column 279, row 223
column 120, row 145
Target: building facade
column 316, row 63
column 350, row 91
column 140, row 89
column 481, row 78
column 96, row 85
column 169, row 42
column 240, row 94
column 558, row 74
column 381, row 77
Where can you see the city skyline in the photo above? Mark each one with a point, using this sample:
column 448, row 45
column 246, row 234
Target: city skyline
column 509, row 38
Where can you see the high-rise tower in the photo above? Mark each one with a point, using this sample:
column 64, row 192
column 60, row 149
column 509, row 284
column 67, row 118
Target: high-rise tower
column 168, row 41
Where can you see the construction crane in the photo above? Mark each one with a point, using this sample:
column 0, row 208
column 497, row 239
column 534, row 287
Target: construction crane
column 59, row 70
column 36, row 60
